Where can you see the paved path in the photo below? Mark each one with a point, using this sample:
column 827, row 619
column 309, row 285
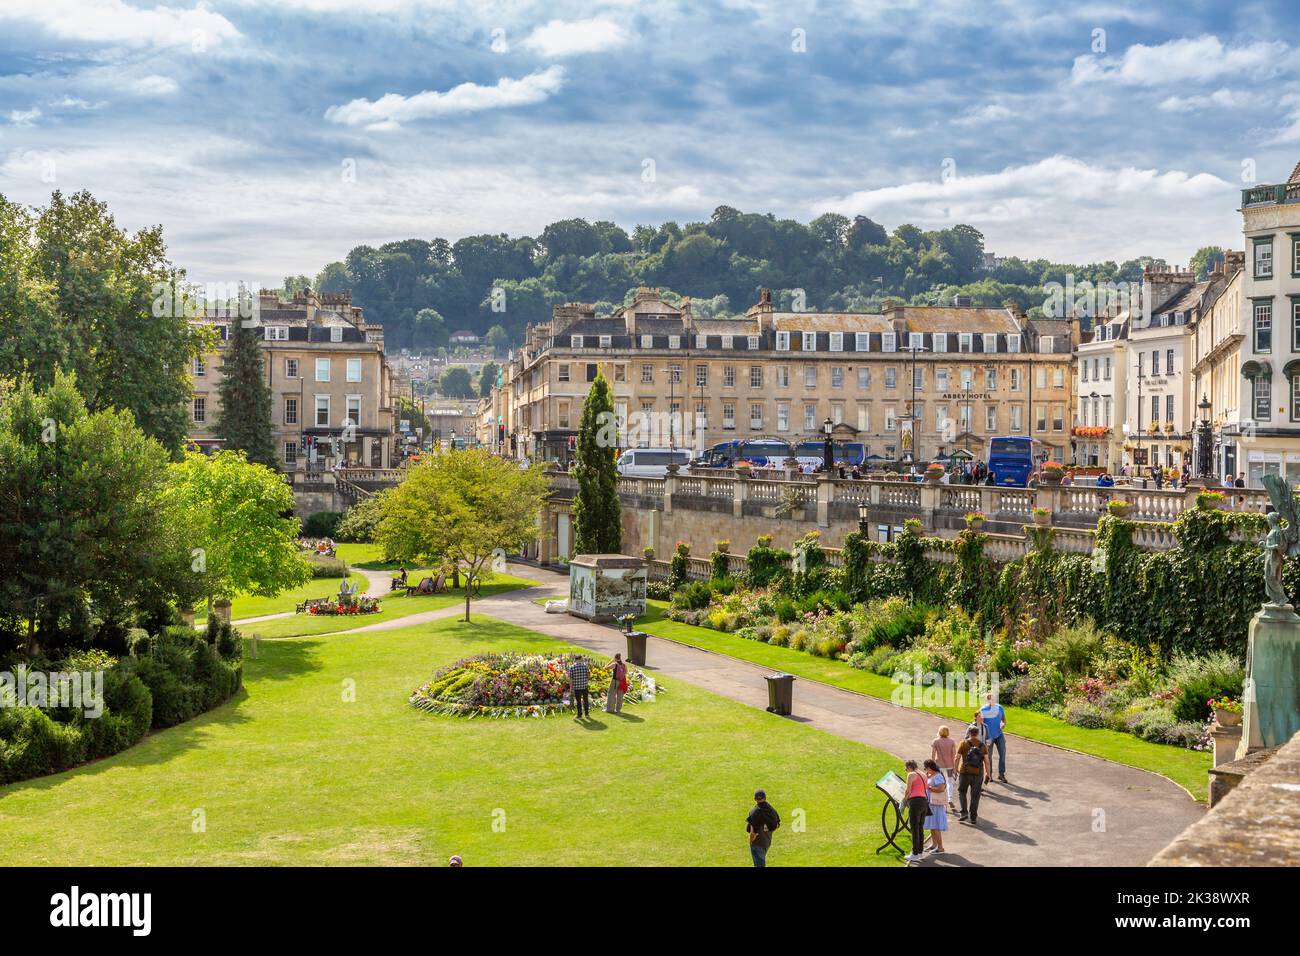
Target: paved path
column 378, row 585
column 1060, row 809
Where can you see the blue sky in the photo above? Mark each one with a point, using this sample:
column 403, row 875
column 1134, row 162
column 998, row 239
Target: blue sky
column 270, row 137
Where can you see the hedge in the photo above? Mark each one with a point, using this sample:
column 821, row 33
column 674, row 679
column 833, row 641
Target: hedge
column 1195, row 597
column 175, row 675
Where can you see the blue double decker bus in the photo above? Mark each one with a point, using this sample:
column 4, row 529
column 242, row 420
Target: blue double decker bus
column 1011, row 460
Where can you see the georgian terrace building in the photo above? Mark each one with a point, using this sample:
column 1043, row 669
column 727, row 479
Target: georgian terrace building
column 326, row 368
column 1216, row 364
column 1268, row 435
column 912, row 380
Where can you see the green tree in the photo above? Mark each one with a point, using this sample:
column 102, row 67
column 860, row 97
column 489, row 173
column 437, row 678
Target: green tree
column 245, row 418
column 81, row 295
column 597, row 517
column 498, row 340
column 232, row 514
column 487, row 379
column 1205, row 259
column 456, row 382
column 85, row 549
column 466, row 509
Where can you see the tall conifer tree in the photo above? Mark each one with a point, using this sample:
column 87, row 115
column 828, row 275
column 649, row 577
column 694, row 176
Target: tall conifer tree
column 597, row 515
column 245, row 418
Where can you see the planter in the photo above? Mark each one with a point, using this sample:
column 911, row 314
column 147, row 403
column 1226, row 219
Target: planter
column 1051, row 479
column 977, row 525
column 1228, row 718
column 1042, row 520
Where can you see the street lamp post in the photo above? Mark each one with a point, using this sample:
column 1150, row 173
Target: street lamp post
column 828, row 448
column 1204, row 450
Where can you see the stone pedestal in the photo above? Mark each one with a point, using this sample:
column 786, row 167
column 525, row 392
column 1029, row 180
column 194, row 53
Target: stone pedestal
column 1226, row 742
column 1272, row 694
column 221, row 610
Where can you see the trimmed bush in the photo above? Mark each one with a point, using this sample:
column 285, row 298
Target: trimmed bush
column 323, row 524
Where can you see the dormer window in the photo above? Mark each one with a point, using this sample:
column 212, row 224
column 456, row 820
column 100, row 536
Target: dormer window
column 889, row 341
column 783, row 341
column 810, row 341
column 862, row 341
column 753, row 343
column 837, row 341
column 964, row 342
column 701, row 341
column 606, row 341
column 336, row 333
column 726, row 341
column 575, row 341
column 940, row 340
column 915, row 341
column 1013, row 343
column 277, row 333
column 647, row 342
column 990, row 342
column 674, row 341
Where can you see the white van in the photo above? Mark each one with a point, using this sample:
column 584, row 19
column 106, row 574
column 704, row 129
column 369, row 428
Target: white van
column 651, row 462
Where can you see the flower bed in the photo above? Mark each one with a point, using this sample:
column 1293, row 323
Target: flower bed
column 519, row 685
column 363, row 606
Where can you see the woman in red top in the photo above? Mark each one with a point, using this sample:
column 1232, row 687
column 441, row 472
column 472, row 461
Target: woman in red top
column 617, row 687
column 918, row 807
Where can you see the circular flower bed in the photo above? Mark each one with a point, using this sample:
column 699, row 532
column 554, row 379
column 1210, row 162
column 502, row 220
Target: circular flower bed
column 519, row 685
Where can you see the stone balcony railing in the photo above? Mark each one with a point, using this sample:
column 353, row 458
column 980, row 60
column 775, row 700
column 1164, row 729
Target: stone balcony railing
column 823, row 502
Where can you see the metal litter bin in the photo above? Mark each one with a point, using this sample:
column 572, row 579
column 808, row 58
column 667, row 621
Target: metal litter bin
column 780, row 694
column 636, row 648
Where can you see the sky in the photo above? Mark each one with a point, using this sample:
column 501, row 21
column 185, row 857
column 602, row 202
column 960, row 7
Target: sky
column 269, row 138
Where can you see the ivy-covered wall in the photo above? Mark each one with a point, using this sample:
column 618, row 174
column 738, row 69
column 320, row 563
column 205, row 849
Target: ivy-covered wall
column 1195, row 597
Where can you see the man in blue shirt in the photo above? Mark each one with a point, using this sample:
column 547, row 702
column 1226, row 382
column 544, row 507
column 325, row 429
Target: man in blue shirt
column 994, row 719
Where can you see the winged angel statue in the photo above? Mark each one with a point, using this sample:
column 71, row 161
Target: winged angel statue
column 1283, row 541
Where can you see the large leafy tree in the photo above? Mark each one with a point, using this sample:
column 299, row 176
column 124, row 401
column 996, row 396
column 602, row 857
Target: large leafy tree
column 245, row 418
column 85, row 548
column 464, row 509
column 456, row 382
column 87, row 297
column 597, row 514
column 232, row 514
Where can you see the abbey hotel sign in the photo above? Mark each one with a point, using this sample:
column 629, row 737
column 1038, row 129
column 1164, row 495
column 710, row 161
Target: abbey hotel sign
column 966, row 396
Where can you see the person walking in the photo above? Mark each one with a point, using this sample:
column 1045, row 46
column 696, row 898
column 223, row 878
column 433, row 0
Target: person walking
column 971, row 755
column 943, row 751
column 994, row 721
column 937, row 819
column 617, row 687
column 579, row 681
column 918, row 808
column 760, row 824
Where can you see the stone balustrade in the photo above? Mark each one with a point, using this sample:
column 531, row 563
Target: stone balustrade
column 881, row 502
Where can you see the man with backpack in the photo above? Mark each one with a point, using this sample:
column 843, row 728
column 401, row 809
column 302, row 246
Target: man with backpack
column 971, row 756
column 760, row 823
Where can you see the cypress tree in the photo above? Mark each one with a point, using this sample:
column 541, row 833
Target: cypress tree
column 245, row 419
column 597, row 515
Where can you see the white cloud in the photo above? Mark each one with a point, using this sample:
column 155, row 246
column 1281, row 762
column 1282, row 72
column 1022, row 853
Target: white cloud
column 119, row 22
column 75, row 103
column 151, row 85
column 1112, row 212
column 1198, row 59
column 392, row 109
column 567, row 38
column 25, row 117
column 1223, row 98
column 992, row 113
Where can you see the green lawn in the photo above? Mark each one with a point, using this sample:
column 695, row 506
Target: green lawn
column 291, row 772
column 250, row 606
column 1187, row 768
column 391, row 608
column 368, row 556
